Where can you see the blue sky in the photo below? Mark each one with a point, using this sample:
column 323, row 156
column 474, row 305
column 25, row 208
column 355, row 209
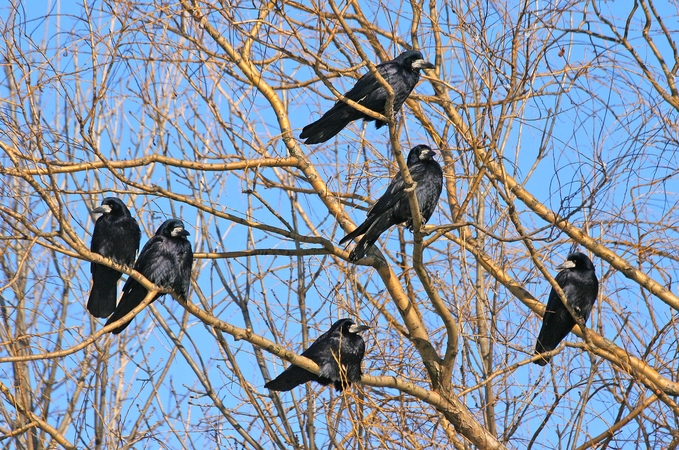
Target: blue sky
column 590, row 142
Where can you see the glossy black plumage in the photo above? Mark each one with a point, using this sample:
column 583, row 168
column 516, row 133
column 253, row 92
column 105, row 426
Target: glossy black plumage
column 394, row 207
column 116, row 236
column 581, row 286
column 166, row 261
column 341, row 342
column 402, row 74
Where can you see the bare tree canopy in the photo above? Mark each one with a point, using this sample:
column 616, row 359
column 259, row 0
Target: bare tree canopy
column 555, row 123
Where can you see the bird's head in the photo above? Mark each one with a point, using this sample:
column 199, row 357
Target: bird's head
column 349, row 327
column 112, row 205
column 420, row 153
column 173, row 228
column 578, row 261
column 412, row 59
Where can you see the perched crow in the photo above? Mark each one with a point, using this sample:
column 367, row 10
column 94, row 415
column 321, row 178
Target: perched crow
column 394, row 208
column 579, row 283
column 342, row 342
column 401, row 73
column 116, row 236
column 166, row 261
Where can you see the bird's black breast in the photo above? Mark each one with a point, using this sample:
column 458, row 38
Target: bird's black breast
column 402, row 83
column 166, row 262
column 116, row 238
column 352, row 348
column 581, row 289
column 429, row 179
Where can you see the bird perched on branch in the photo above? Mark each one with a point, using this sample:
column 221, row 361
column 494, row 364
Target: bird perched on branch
column 393, row 207
column 402, row 74
column 581, row 286
column 166, row 261
column 341, row 343
column 116, row 236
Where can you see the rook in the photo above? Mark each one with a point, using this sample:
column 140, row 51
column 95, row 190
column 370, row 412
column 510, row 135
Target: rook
column 394, row 207
column 401, row 73
column 116, row 236
column 166, row 261
column 341, row 343
column 581, row 286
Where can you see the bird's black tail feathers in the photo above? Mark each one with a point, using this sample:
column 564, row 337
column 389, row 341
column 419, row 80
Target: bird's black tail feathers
column 324, row 128
column 539, row 348
column 103, row 297
column 128, row 302
column 362, row 246
column 371, row 229
column 292, row 377
column 361, row 229
column 364, row 243
column 321, row 131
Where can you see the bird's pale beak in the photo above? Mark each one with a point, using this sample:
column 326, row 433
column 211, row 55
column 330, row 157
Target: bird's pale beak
column 426, row 154
column 422, row 64
column 358, row 328
column 566, row 265
column 102, row 209
column 180, row 232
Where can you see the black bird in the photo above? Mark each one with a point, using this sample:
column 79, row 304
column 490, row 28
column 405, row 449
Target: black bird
column 394, row 208
column 581, row 286
column 342, row 342
column 401, row 73
column 166, row 261
column 116, row 236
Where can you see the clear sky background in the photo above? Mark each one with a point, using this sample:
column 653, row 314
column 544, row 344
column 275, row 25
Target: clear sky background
column 567, row 160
